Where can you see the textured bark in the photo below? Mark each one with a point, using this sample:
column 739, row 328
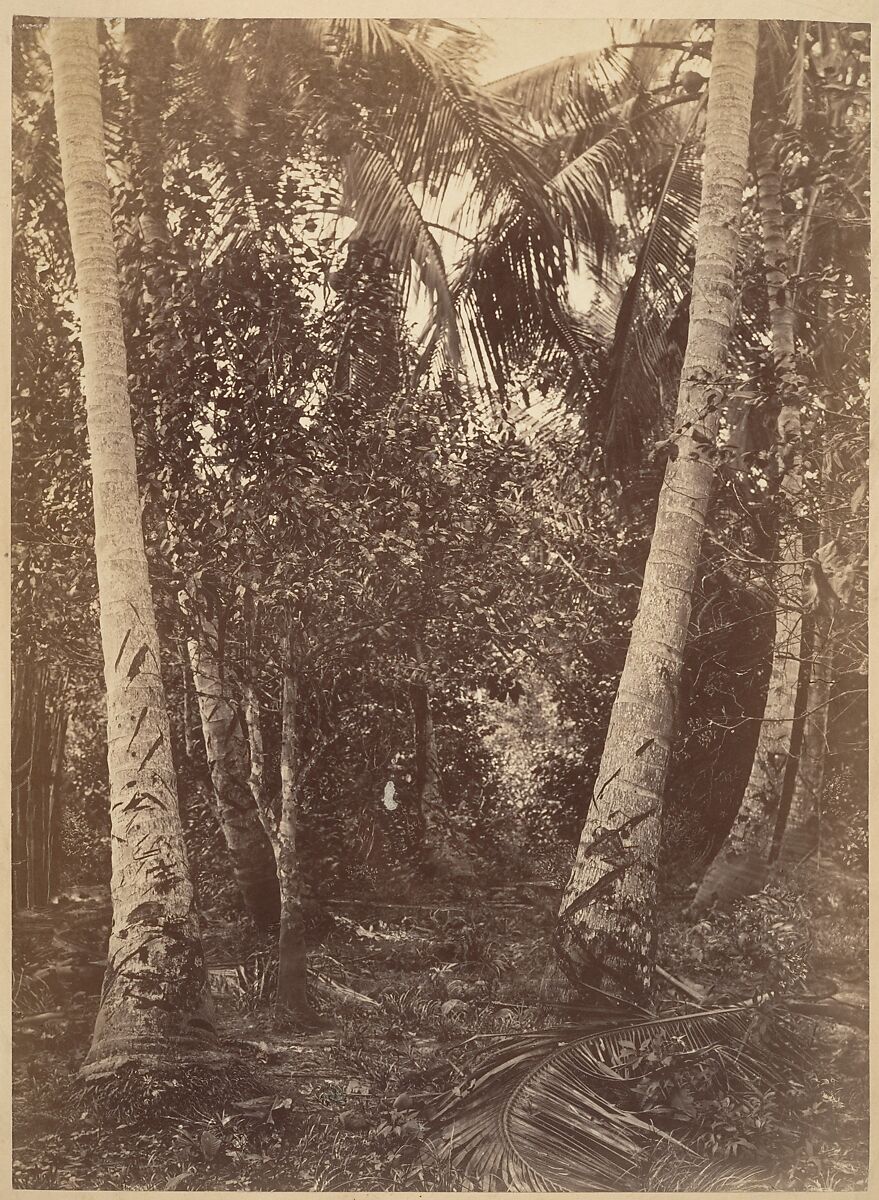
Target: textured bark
column 607, row 919
column 250, row 851
column 256, row 778
column 741, row 866
column 155, row 998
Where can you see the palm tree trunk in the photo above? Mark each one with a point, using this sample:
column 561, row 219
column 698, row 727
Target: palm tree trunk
column 155, row 1000
column 741, row 866
column 250, row 852
column 607, row 934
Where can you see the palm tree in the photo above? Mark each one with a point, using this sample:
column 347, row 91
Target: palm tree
column 741, row 865
column 607, row 935
column 788, row 762
column 155, row 1002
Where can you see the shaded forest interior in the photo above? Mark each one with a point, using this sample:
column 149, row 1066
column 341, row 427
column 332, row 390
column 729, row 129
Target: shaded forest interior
column 439, row 587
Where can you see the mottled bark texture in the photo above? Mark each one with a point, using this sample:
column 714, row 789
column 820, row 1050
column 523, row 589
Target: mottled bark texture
column 741, row 866
column 155, row 999
column 607, row 918
column 250, row 851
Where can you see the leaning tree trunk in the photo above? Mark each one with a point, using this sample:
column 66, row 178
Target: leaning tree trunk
column 804, row 820
column 741, row 867
column 155, row 1002
column 800, row 836
column 606, row 935
column 149, row 50
column 250, row 851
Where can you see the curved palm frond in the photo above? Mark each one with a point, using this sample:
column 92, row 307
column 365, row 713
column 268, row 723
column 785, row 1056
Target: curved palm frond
column 389, row 218
column 441, row 126
column 512, row 290
column 642, row 385
column 561, row 1110
column 659, row 40
column 570, row 92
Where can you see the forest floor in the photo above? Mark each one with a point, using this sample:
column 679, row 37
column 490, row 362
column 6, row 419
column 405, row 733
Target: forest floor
column 441, row 981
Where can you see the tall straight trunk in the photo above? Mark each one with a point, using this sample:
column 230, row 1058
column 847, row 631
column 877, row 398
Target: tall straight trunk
column 741, row 866
column 607, row 933
column 191, row 719
column 291, row 998
column 427, row 778
column 442, row 847
column 155, row 1000
column 250, row 851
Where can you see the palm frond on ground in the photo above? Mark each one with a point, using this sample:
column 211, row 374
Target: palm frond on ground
column 569, row 1110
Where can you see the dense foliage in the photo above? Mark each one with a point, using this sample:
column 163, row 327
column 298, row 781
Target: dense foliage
column 442, row 536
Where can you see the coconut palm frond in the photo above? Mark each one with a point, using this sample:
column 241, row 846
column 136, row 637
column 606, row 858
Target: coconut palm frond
column 572, row 92
column 440, row 123
column 389, row 218
column 562, row 1110
column 512, row 288
column 583, row 193
column 661, row 43
column 644, row 369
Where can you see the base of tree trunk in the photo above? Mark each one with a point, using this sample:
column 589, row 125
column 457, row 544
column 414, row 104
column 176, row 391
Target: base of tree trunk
column 143, row 1086
column 730, row 879
column 261, row 895
column 299, row 1017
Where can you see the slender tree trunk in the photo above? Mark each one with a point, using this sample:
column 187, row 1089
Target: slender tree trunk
column 427, row 781
column 250, row 851
column 191, row 719
column 607, row 932
column 155, row 1000
column 291, row 998
column 802, row 834
column 39, row 724
column 741, row 867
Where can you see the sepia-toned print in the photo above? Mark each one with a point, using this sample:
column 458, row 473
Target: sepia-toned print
column 439, row 604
